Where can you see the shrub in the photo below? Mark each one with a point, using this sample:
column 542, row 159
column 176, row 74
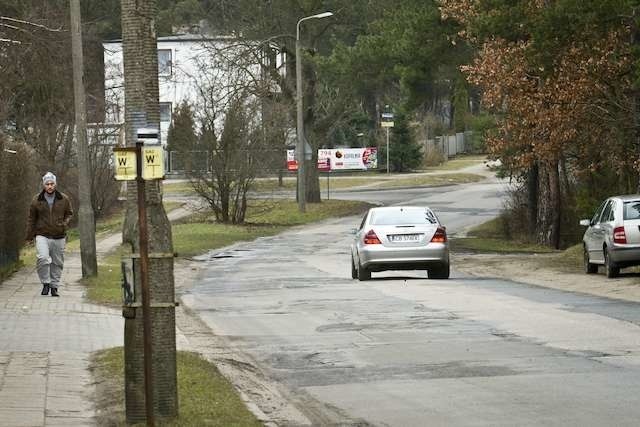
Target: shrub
column 16, row 190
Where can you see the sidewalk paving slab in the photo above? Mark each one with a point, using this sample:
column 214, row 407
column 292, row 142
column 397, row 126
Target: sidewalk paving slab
column 45, row 346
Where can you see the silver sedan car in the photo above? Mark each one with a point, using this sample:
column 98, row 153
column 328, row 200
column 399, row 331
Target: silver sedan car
column 612, row 238
column 400, row 238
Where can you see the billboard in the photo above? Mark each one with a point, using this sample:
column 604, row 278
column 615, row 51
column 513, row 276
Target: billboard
column 340, row 159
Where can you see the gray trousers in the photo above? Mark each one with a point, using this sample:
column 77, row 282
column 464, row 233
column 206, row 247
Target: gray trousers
column 50, row 259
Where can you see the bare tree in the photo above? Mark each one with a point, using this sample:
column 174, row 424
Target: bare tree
column 233, row 160
column 242, row 125
column 34, row 78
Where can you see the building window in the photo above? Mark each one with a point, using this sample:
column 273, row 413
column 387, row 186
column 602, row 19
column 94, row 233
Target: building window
column 165, row 112
column 165, row 62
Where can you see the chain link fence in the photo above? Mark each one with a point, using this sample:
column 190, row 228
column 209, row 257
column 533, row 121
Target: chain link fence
column 264, row 162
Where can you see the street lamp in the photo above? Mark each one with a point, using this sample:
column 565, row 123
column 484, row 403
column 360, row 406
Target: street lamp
column 300, row 146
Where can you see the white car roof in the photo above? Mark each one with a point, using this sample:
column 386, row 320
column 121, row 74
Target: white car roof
column 397, row 208
column 628, row 197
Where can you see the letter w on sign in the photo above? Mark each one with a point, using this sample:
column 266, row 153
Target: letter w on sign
column 125, row 163
column 152, row 166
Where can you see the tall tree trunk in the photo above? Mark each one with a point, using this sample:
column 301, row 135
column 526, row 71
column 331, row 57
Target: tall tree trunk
column 635, row 42
column 549, row 205
column 532, row 198
column 312, row 177
column 556, row 203
column 139, row 45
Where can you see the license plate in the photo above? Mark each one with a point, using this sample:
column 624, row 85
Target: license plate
column 403, row 237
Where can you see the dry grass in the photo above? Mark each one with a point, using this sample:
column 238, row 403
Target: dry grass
column 205, row 397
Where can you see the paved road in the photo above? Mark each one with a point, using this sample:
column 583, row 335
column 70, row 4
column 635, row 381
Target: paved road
column 459, row 207
column 402, row 350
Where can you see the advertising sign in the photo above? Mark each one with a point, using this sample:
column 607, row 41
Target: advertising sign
column 324, row 160
column 354, row 158
column 292, row 163
column 340, row 159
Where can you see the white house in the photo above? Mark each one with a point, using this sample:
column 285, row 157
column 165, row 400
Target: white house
column 203, row 71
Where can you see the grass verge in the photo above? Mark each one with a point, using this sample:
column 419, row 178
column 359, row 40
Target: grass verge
column 206, row 397
column 109, row 225
column 489, row 237
column 106, row 287
column 460, row 162
column 569, row 260
column 432, row 180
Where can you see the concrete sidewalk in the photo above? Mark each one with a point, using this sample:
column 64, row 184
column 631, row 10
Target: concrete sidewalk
column 45, row 343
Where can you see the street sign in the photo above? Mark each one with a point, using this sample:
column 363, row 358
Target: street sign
column 386, row 120
column 148, row 135
column 152, row 164
column 125, row 161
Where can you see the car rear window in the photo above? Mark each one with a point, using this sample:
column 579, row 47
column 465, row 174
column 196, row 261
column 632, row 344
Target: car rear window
column 403, row 217
column 632, row 210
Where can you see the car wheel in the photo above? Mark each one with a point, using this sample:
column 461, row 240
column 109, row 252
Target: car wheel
column 589, row 268
column 363, row 273
column 440, row 272
column 610, row 268
column 354, row 271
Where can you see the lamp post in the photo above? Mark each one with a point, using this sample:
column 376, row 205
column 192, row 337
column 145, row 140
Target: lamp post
column 300, row 146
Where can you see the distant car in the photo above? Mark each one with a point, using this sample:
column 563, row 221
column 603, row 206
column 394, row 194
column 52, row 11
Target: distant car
column 612, row 238
column 400, row 238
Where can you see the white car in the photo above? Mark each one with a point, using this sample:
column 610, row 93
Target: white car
column 400, row 238
column 612, row 238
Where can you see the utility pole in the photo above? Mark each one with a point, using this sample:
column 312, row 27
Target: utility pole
column 86, row 221
column 154, row 300
column 387, row 122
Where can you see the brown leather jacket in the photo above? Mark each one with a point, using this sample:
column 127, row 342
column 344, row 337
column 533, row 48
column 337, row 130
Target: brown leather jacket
column 52, row 223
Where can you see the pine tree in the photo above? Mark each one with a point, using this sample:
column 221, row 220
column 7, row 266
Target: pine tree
column 404, row 153
column 181, row 139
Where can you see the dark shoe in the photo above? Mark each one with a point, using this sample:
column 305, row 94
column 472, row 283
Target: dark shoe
column 54, row 292
column 45, row 289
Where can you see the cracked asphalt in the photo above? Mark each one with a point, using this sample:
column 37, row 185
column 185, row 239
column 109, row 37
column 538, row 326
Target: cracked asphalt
column 403, row 350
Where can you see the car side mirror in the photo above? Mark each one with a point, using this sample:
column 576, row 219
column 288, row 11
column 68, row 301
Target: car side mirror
column 354, row 231
column 585, row 222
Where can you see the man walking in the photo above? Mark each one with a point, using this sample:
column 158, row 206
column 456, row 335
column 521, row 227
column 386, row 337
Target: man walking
column 49, row 216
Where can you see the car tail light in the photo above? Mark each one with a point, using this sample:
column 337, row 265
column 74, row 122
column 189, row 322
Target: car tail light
column 619, row 236
column 440, row 236
column 371, row 238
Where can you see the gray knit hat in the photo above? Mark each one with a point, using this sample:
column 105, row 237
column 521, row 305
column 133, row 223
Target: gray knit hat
column 49, row 176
